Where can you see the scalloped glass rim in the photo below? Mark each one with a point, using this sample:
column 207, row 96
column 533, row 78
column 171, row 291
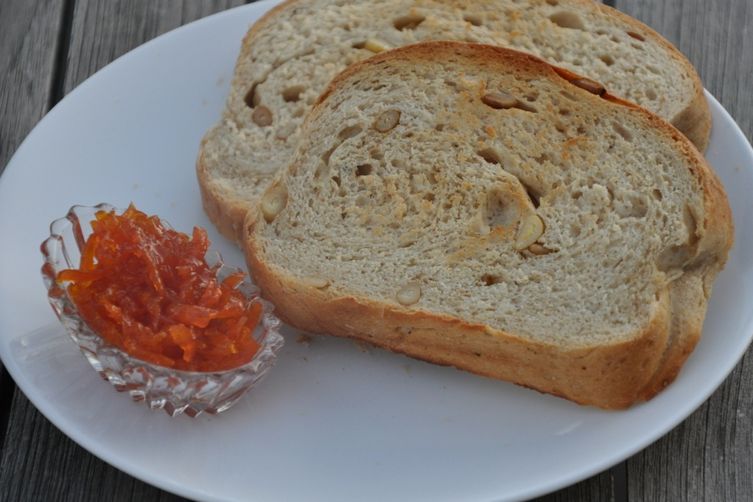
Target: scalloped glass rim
column 175, row 391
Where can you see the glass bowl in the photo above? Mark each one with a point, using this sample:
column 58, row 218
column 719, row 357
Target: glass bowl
column 175, row 391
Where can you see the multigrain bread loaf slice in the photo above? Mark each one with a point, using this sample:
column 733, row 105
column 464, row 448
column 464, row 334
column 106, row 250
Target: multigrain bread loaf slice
column 292, row 53
column 473, row 206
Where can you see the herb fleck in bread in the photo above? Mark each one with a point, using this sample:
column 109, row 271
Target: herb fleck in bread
column 476, row 207
column 291, row 54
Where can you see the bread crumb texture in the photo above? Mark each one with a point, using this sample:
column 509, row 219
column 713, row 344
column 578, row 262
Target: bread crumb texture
column 290, row 56
column 560, row 216
column 474, row 206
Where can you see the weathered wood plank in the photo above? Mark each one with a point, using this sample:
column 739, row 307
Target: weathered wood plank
column 710, row 455
column 103, row 30
column 28, row 38
column 604, row 487
column 28, row 42
column 38, row 462
column 707, row 457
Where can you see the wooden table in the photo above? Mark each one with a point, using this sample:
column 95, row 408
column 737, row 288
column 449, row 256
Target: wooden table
column 48, row 47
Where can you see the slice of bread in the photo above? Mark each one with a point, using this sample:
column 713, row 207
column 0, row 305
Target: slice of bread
column 292, row 53
column 474, row 206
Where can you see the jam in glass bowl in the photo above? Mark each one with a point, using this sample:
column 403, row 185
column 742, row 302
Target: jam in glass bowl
column 160, row 387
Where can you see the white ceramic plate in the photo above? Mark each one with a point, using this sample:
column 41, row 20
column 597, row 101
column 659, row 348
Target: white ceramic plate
column 332, row 421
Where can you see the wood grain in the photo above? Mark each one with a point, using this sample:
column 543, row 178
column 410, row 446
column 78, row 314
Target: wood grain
column 28, row 40
column 710, row 455
column 604, row 487
column 38, row 462
column 28, row 44
column 103, row 30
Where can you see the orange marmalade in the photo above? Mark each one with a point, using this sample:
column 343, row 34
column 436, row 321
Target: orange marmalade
column 148, row 290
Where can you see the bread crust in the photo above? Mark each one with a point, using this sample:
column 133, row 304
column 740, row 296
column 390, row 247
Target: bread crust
column 227, row 212
column 603, row 376
column 612, row 376
column 224, row 211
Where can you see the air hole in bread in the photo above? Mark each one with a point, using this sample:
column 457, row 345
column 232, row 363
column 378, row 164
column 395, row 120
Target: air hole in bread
column 439, row 127
column 533, row 194
column 408, row 22
column 500, row 212
column 674, row 257
column 252, row 98
column 350, row 132
column 490, row 279
column 569, row 20
column 631, row 206
column 293, row 93
column 544, row 157
column 575, row 230
column 429, row 196
column 361, row 201
column 364, row 169
column 564, row 112
column 569, row 96
column 490, row 155
column 359, row 45
column 653, row 69
column 691, row 223
column 607, row 59
column 553, row 3
column 636, row 36
column 474, row 19
column 656, row 193
column 614, row 39
column 651, row 94
column 622, row 131
column 376, row 154
column 679, row 255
